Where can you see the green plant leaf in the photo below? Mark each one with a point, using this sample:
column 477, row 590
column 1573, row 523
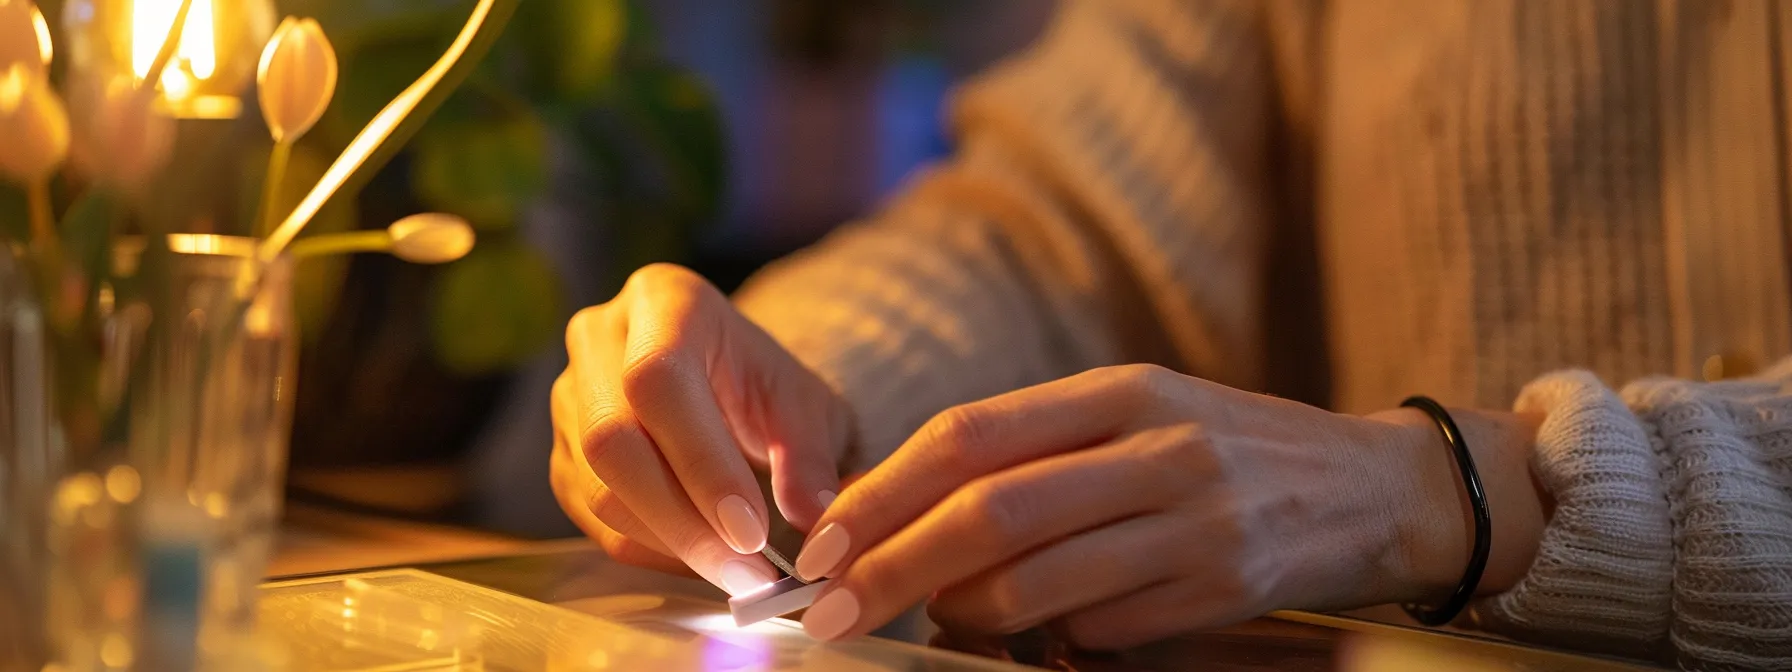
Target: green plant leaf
column 569, row 46
column 486, row 173
column 495, row 308
column 14, row 214
column 86, row 231
column 658, row 150
column 678, row 116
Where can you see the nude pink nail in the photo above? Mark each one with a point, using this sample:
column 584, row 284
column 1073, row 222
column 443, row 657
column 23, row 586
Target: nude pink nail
column 832, row 616
column 739, row 578
column 740, row 524
column 823, row 552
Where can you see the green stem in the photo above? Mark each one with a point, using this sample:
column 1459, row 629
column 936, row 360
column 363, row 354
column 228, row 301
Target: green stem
column 43, row 218
column 378, row 240
column 153, row 78
column 398, row 122
column 270, row 188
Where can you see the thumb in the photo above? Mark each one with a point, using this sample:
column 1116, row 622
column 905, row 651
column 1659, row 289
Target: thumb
column 807, row 452
column 804, row 482
column 796, row 422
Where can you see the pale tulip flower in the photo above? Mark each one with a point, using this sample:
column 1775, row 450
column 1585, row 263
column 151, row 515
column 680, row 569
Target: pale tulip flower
column 33, row 126
column 24, row 36
column 296, row 81
column 431, row 238
column 297, row 78
column 121, row 140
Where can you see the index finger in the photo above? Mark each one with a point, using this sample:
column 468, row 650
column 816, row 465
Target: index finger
column 620, row 452
column 997, row 519
column 673, row 338
column 959, row 446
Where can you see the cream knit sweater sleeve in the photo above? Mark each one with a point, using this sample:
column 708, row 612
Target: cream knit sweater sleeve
column 1104, row 207
column 1672, row 529
column 1108, row 205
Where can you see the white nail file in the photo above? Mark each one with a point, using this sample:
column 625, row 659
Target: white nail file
column 777, row 599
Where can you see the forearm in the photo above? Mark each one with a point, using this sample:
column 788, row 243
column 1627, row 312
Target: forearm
column 1065, row 235
column 916, row 311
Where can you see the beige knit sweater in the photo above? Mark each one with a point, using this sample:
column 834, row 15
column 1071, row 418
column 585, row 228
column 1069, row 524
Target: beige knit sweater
column 1353, row 201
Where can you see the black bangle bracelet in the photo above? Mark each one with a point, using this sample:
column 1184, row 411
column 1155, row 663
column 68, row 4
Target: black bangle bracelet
column 1477, row 498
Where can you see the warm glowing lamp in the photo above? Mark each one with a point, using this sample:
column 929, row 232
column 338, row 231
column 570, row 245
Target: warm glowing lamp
column 214, row 61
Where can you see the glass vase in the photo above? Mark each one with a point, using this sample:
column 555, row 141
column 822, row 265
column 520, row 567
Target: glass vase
column 28, row 463
column 157, row 554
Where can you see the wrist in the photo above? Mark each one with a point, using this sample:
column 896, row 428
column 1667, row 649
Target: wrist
column 1432, row 528
column 1428, row 538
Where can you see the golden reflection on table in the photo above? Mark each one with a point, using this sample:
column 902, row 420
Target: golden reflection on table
column 576, row 574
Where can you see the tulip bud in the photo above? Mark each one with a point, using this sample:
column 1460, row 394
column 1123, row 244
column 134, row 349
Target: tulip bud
column 297, row 78
column 121, row 139
column 24, row 35
column 33, row 125
column 431, row 238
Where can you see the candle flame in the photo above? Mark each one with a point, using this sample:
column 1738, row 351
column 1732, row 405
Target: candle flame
column 196, row 57
column 44, row 48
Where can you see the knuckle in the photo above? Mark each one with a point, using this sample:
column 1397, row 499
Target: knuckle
column 1150, row 380
column 613, row 544
column 608, row 432
column 586, row 320
column 654, row 369
column 870, row 569
column 1228, row 589
column 693, row 541
column 663, row 276
column 560, row 472
column 1008, row 605
column 960, row 434
column 623, row 549
column 1179, row 450
column 997, row 515
column 609, row 509
column 656, row 272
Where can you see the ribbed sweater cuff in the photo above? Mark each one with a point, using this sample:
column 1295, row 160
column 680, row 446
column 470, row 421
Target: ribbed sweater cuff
column 1601, row 579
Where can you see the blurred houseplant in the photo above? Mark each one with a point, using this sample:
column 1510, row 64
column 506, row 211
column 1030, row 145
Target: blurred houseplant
column 403, row 364
column 165, row 346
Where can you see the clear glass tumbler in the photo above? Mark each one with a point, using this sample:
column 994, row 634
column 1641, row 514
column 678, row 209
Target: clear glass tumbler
column 158, row 555
column 213, row 433
column 29, row 462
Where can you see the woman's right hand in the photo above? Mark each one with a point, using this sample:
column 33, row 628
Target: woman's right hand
column 669, row 401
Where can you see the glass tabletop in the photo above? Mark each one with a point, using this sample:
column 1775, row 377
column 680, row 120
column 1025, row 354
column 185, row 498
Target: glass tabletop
column 629, row 615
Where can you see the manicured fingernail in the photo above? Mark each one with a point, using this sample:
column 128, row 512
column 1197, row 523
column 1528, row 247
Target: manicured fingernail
column 740, row 524
column 832, row 615
column 826, row 498
column 740, row 578
column 823, row 552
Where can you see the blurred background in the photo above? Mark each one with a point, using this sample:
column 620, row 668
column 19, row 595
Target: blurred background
column 600, row 136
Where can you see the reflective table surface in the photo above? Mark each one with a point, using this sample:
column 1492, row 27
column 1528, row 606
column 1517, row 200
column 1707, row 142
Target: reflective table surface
column 576, row 575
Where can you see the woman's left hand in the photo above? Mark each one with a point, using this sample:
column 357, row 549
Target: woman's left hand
column 1130, row 503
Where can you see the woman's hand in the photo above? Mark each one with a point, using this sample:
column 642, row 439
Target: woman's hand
column 669, row 401
column 1131, row 503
